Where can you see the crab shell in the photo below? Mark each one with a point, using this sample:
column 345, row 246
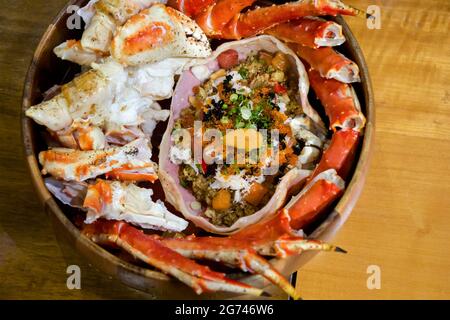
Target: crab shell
column 181, row 198
column 156, row 33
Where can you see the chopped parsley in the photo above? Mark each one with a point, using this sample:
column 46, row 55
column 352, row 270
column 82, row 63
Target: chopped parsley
column 243, row 72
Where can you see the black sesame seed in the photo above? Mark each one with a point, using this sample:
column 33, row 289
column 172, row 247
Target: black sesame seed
column 298, row 147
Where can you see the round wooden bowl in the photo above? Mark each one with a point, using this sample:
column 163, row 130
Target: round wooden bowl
column 46, row 70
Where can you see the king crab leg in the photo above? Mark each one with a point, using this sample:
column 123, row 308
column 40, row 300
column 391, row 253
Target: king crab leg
column 239, row 253
column 340, row 153
column 235, row 253
column 318, row 194
column 191, row 8
column 215, row 17
column 310, row 32
column 151, row 251
column 275, row 237
column 329, row 63
column 339, row 100
column 252, row 22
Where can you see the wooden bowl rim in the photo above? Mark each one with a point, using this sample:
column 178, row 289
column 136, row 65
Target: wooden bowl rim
column 324, row 232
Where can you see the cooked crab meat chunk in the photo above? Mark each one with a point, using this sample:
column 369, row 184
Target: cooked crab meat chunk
column 69, row 164
column 130, row 203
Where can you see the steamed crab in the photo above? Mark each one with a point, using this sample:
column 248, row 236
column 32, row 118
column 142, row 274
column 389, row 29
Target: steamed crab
column 105, row 117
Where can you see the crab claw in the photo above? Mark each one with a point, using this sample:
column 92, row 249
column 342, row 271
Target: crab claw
column 153, row 252
column 235, row 253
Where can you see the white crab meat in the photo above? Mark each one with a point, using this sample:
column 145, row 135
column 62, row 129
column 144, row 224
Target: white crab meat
column 117, row 100
column 157, row 33
column 72, row 50
column 82, row 136
column 156, row 80
column 103, row 17
column 54, row 113
column 301, row 129
column 121, row 201
column 236, row 183
column 151, row 118
column 76, row 165
column 308, row 155
column 87, row 12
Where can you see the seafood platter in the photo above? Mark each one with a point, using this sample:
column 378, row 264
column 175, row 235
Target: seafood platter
column 200, row 148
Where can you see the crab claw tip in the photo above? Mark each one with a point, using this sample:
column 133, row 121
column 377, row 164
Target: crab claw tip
column 361, row 13
column 340, row 250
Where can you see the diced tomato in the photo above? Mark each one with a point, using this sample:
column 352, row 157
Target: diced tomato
column 228, row 59
column 204, row 166
column 279, row 88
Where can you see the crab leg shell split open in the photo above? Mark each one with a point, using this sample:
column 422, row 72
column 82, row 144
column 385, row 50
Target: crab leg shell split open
column 72, row 50
column 157, row 33
column 340, row 102
column 75, row 165
column 329, row 63
column 150, row 250
column 258, row 20
column 274, row 237
column 80, row 136
column 232, row 24
column 180, row 197
column 114, row 200
column 310, row 32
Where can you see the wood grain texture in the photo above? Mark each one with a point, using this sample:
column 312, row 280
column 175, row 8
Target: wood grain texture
column 400, row 223
column 402, row 220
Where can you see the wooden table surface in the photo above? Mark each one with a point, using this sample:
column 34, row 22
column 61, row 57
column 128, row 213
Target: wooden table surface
column 400, row 224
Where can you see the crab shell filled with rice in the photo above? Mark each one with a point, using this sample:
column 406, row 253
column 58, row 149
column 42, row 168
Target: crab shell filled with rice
column 244, row 88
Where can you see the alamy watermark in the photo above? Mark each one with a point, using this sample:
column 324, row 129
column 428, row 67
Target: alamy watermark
column 374, row 17
column 74, row 21
column 243, row 146
column 74, row 279
column 374, row 279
